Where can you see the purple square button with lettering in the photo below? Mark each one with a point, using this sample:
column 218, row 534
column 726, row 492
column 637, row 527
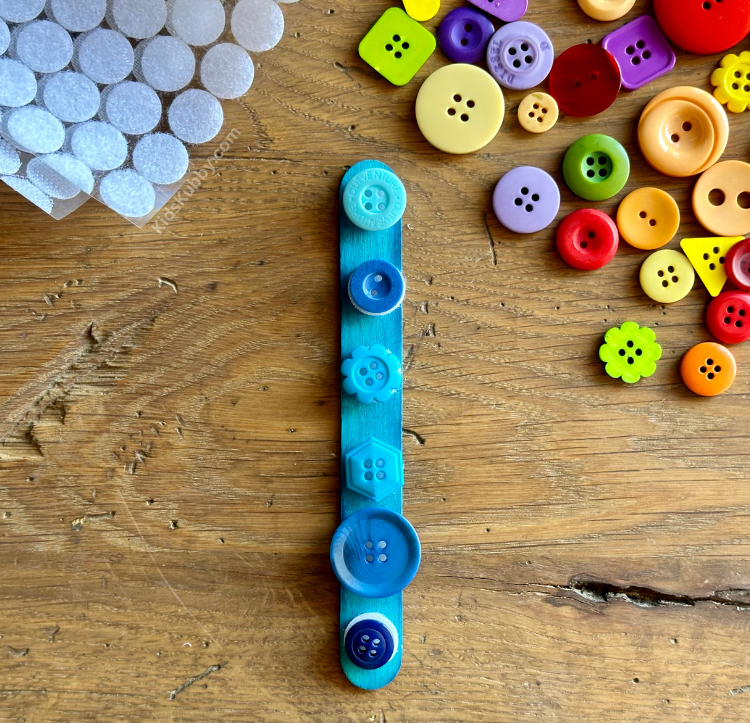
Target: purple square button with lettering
column 464, row 34
column 506, row 10
column 641, row 51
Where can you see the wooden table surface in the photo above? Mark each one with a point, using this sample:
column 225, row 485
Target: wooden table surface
column 170, row 435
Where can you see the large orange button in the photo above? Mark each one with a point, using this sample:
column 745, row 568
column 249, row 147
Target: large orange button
column 648, row 218
column 721, row 199
column 708, row 369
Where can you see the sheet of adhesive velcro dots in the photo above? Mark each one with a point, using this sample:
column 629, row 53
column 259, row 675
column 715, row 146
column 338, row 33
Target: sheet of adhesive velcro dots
column 107, row 98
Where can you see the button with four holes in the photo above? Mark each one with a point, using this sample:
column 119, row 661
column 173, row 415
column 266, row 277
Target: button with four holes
column 375, row 552
column 648, row 218
column 376, row 287
column 584, row 80
column 459, row 108
column 372, row 374
column 667, row 276
column 370, row 640
column 506, row 10
column 732, row 81
column 538, row 112
column 728, row 317
column 520, row 55
column 737, row 265
column 374, row 199
column 606, row 10
column 397, row 46
column 596, row 167
column 526, row 199
column 374, row 469
column 464, row 34
column 630, row 352
column 721, row 199
column 641, row 51
column 708, row 369
column 587, row 239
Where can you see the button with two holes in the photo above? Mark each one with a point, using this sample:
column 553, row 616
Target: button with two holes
column 370, row 640
column 721, row 199
column 506, row 10
column 587, row 239
column 708, row 369
column 526, row 199
column 648, row 218
column 520, row 55
column 464, row 34
column 596, row 167
column 737, row 265
column 728, row 317
column 538, row 112
column 667, row 276
column 376, row 287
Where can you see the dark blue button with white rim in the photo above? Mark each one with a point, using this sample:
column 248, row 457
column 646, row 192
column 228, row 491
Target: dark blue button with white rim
column 376, row 287
column 374, row 199
column 375, row 552
column 370, row 640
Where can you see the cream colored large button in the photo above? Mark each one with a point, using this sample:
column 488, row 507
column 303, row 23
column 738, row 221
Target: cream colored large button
column 538, row 112
column 648, row 218
column 606, row 10
column 459, row 108
column 721, row 199
column 667, row 276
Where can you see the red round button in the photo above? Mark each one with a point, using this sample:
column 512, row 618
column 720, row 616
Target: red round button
column 737, row 265
column 587, row 239
column 728, row 317
column 585, row 80
column 704, row 26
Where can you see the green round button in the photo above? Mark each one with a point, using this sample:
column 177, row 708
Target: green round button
column 596, row 167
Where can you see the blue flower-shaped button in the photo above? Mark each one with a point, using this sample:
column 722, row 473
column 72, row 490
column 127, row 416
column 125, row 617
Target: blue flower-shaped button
column 375, row 552
column 372, row 374
column 374, row 469
column 376, row 287
column 374, row 199
column 370, row 640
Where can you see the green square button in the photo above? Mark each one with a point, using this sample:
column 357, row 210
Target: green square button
column 397, row 46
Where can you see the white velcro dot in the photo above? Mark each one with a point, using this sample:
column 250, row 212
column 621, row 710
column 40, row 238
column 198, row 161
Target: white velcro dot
column 10, row 161
column 44, row 46
column 160, row 158
column 195, row 116
column 20, row 11
column 227, row 71
column 166, row 63
column 17, row 83
column 70, row 96
column 257, row 25
column 197, row 22
column 4, row 36
column 99, row 145
column 137, row 19
column 132, row 108
column 29, row 191
column 78, row 16
column 71, row 169
column 35, row 130
column 105, row 56
column 49, row 181
column 128, row 193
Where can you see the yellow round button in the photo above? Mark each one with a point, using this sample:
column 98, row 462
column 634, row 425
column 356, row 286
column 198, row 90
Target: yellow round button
column 422, row 10
column 648, row 218
column 721, row 199
column 606, row 10
column 667, row 276
column 732, row 81
column 459, row 108
column 538, row 112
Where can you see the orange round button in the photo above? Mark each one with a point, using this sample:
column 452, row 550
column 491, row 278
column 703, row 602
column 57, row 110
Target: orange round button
column 708, row 369
column 648, row 218
column 606, row 10
column 721, row 199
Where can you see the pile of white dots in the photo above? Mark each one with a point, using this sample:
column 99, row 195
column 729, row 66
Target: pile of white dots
column 104, row 98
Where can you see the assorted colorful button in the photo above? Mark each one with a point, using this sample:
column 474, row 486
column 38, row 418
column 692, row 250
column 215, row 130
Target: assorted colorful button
column 397, row 46
column 374, row 469
column 732, row 81
column 641, row 51
column 728, row 317
column 459, row 108
column 648, row 218
column 707, row 255
column 370, row 640
column 667, row 276
column 520, row 55
column 376, row 287
column 587, row 239
column 464, row 35
column 372, row 374
column 703, row 26
column 526, row 199
column 422, row 10
column 506, row 10
column 630, row 352
column 708, row 369
column 374, row 199
column 584, row 80
column 606, row 10
column 721, row 199
column 596, row 167
column 737, row 265
column 538, row 112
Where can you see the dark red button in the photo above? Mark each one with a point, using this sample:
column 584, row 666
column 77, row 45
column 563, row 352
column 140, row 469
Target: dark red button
column 737, row 265
column 584, row 80
column 728, row 317
column 704, row 26
column 587, row 239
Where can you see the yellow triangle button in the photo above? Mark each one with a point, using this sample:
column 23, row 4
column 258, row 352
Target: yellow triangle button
column 707, row 257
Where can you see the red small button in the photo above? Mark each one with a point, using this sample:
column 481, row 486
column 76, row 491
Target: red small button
column 728, row 317
column 737, row 265
column 703, row 26
column 587, row 239
column 584, row 80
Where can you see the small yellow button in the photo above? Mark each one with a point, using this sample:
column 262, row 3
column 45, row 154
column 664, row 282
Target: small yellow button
column 732, row 81
column 538, row 112
column 422, row 10
column 667, row 276
column 648, row 218
column 459, row 108
column 606, row 10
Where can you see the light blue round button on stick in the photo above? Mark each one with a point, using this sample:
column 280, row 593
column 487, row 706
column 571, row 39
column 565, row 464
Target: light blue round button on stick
column 376, row 287
column 372, row 374
column 374, row 199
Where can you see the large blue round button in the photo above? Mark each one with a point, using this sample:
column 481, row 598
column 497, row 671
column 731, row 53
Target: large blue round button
column 370, row 640
column 375, row 552
column 374, row 199
column 376, row 287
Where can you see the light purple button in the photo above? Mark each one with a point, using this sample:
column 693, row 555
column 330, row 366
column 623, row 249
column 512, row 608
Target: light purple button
column 520, row 55
column 507, row 10
column 526, row 199
column 641, row 51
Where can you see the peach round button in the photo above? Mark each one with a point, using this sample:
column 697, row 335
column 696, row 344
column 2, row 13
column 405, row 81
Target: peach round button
column 667, row 276
column 538, row 112
column 721, row 199
column 648, row 218
column 708, row 369
column 606, row 10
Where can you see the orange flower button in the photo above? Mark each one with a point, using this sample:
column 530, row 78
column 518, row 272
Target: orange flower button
column 708, row 369
column 648, row 218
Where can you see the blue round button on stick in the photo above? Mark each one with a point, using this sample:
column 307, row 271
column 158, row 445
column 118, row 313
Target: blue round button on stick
column 375, row 552
column 374, row 199
column 376, row 287
column 370, row 640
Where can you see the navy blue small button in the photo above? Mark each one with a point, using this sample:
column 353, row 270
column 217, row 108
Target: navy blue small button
column 376, row 287
column 464, row 35
column 370, row 641
column 375, row 552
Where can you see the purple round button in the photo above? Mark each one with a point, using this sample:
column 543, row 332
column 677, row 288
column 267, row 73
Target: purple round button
column 520, row 55
column 464, row 34
column 507, row 10
column 526, row 199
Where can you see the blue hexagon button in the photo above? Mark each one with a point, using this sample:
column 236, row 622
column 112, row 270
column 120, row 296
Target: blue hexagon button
column 372, row 374
column 374, row 469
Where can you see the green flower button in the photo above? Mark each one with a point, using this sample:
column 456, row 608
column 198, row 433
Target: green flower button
column 630, row 351
column 596, row 167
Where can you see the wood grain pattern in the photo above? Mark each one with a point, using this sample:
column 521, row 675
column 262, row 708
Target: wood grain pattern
column 175, row 396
